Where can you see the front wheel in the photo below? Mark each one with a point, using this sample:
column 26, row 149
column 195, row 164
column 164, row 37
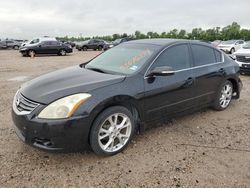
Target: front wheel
column 84, row 48
column 100, row 48
column 112, row 131
column 31, row 53
column 232, row 51
column 224, row 96
column 62, row 52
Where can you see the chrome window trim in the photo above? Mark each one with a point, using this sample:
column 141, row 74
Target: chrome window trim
column 195, row 67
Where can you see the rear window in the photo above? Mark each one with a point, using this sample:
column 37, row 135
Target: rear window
column 203, row 55
column 218, row 56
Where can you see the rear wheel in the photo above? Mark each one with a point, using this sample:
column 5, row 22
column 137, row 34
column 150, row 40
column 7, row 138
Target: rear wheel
column 224, row 96
column 112, row 131
column 15, row 47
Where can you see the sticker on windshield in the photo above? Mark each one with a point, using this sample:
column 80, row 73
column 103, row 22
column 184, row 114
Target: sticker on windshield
column 133, row 68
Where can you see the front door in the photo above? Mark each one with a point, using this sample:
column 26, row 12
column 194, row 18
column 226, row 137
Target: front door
column 167, row 95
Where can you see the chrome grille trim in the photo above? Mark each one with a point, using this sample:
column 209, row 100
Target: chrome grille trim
column 243, row 59
column 22, row 105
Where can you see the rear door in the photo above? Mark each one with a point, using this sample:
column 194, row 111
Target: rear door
column 91, row 44
column 208, row 72
column 167, row 95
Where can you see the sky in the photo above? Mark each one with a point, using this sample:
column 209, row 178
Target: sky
column 25, row 19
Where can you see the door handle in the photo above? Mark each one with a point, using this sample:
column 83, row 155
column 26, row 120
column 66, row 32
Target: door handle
column 188, row 82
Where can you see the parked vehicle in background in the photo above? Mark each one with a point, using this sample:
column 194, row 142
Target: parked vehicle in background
column 93, row 44
column 2, row 45
column 129, row 88
column 242, row 57
column 45, row 46
column 216, row 43
column 117, row 42
column 37, row 40
column 72, row 44
column 231, row 46
column 10, row 44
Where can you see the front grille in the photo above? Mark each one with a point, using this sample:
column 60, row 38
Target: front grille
column 243, row 59
column 24, row 105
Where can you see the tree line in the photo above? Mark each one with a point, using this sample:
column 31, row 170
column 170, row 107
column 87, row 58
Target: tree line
column 233, row 31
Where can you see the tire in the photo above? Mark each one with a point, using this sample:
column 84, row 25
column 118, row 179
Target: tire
column 31, row 53
column 100, row 48
column 223, row 96
column 111, row 131
column 79, row 49
column 62, row 52
column 84, row 48
column 15, row 47
column 232, row 51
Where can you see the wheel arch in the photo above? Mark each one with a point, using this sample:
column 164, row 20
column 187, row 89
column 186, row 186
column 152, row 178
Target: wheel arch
column 120, row 100
column 235, row 87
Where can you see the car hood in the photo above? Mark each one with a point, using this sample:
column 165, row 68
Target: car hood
column 64, row 82
column 243, row 51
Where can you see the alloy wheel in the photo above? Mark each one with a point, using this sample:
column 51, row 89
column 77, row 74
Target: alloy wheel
column 114, row 132
column 63, row 52
column 226, row 95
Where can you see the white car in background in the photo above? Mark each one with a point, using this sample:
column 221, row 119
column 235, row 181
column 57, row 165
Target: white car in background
column 231, row 46
column 37, row 40
column 242, row 57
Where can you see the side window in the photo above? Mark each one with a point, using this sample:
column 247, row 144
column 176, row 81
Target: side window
column 34, row 41
column 91, row 41
column 54, row 43
column 46, row 43
column 218, row 56
column 176, row 57
column 203, row 55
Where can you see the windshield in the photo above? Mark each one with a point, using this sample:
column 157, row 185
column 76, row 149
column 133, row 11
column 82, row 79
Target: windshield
column 123, row 59
column 229, row 42
column 247, row 45
column 117, row 41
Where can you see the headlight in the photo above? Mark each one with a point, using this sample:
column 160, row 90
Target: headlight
column 64, row 107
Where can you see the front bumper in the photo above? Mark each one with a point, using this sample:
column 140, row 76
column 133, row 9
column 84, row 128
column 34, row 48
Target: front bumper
column 53, row 135
column 70, row 50
column 244, row 67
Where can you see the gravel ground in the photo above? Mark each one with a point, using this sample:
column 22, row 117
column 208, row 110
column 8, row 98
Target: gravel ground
column 205, row 149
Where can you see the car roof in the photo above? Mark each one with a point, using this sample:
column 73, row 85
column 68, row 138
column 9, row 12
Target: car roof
column 47, row 39
column 166, row 42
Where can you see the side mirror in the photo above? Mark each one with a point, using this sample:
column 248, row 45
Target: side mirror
column 162, row 71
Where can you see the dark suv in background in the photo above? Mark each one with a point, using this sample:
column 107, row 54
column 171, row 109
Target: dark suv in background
column 117, row 42
column 94, row 44
column 43, row 46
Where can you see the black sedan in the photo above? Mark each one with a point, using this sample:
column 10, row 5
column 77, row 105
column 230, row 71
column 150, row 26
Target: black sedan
column 46, row 47
column 127, row 89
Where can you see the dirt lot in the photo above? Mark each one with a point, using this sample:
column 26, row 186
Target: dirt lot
column 205, row 149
